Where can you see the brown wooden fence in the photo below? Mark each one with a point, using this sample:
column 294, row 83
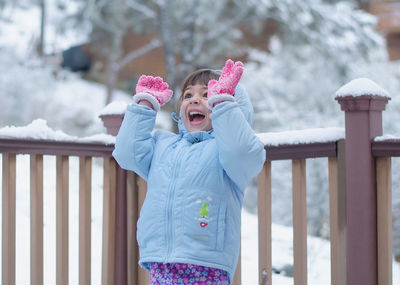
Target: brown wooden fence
column 359, row 189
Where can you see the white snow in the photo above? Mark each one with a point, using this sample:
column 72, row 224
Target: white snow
column 387, row 137
column 316, row 135
column 22, row 27
column 362, row 86
column 114, row 108
column 39, row 130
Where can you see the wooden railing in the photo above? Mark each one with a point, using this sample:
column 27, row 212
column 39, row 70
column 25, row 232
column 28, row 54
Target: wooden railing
column 121, row 209
column 359, row 189
column 62, row 150
column 298, row 154
column 384, row 150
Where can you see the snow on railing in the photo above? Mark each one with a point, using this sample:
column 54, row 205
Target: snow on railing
column 387, row 138
column 307, row 136
column 39, row 130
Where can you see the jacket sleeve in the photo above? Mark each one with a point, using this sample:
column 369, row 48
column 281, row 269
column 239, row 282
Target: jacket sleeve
column 241, row 153
column 134, row 144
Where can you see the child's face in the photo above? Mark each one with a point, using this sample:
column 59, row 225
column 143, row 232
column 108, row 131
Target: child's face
column 196, row 115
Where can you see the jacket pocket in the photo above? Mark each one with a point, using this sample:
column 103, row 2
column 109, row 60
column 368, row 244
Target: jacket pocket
column 150, row 226
column 204, row 222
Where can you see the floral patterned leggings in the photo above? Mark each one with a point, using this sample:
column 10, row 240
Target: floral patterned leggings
column 180, row 273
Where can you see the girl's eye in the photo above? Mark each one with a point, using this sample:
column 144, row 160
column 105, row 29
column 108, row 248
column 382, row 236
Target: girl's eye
column 187, row 96
column 205, row 95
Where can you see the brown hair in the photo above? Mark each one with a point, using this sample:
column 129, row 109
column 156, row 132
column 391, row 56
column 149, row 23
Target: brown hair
column 201, row 76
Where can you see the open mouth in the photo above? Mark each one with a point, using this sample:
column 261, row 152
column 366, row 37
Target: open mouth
column 196, row 117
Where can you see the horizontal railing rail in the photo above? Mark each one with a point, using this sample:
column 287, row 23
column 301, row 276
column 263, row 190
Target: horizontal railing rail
column 386, row 148
column 298, row 151
column 51, row 147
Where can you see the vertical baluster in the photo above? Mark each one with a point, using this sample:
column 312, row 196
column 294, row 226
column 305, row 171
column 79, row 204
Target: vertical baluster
column 62, row 185
column 299, row 221
column 8, row 218
column 108, row 221
column 85, row 197
column 384, row 211
column 36, row 172
column 264, row 225
column 132, row 216
column 143, row 274
column 237, row 278
column 337, row 209
column 120, row 266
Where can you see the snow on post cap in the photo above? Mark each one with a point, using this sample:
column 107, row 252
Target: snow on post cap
column 362, row 86
column 114, row 108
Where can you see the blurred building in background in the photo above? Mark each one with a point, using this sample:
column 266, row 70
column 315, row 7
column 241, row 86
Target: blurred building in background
column 152, row 63
column 388, row 13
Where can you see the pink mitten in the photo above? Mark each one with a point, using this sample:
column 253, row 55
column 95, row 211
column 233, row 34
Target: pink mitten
column 154, row 90
column 224, row 88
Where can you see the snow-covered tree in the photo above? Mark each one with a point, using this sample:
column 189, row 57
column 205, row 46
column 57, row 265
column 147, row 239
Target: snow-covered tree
column 201, row 33
column 293, row 87
column 191, row 33
column 26, row 87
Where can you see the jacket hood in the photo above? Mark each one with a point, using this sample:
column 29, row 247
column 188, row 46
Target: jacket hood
column 241, row 97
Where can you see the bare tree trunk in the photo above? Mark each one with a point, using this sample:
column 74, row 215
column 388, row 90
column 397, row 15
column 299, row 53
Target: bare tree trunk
column 113, row 68
column 40, row 46
column 168, row 43
column 363, row 4
column 166, row 35
column 112, row 78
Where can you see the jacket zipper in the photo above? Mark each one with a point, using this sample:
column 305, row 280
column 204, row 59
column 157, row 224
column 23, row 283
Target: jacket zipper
column 171, row 193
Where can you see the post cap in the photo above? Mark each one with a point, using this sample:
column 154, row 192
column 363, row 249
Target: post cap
column 112, row 116
column 362, row 94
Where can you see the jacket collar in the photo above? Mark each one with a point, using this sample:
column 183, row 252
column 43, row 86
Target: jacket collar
column 192, row 137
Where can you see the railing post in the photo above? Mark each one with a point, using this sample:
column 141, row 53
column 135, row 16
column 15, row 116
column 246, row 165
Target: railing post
column 363, row 122
column 121, row 245
column 113, row 122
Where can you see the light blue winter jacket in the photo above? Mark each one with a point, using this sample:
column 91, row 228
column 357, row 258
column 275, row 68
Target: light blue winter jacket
column 195, row 183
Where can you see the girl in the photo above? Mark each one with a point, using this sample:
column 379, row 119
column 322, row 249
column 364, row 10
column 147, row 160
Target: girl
column 189, row 225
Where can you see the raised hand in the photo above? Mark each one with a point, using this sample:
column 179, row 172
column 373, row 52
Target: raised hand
column 226, row 84
column 154, row 90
